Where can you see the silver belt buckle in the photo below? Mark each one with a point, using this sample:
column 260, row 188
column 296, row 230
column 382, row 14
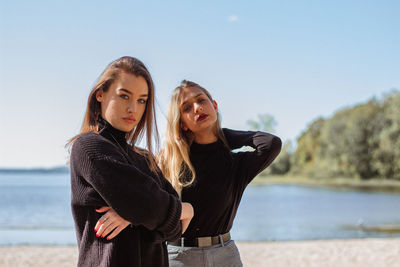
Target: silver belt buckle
column 204, row 241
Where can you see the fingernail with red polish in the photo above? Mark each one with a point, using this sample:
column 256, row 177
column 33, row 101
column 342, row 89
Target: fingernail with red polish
column 97, row 235
column 108, row 238
column 95, row 229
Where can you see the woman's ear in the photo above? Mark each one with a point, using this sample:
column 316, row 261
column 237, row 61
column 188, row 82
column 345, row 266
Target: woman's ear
column 215, row 104
column 99, row 95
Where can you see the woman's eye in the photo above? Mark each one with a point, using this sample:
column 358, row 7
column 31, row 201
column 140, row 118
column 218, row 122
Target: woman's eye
column 186, row 108
column 142, row 101
column 201, row 100
column 126, row 97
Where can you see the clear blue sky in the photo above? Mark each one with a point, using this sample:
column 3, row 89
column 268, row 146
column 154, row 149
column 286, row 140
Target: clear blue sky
column 295, row 60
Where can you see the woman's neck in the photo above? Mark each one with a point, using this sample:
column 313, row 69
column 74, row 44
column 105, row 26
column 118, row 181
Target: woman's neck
column 207, row 137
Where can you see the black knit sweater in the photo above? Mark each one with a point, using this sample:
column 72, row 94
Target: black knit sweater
column 222, row 176
column 105, row 171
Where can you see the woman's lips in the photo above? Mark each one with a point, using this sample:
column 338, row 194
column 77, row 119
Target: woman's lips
column 129, row 119
column 202, row 117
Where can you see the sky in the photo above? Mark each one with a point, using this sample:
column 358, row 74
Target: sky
column 295, row 60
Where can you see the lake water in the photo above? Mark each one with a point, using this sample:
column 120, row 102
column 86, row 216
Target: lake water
column 35, row 209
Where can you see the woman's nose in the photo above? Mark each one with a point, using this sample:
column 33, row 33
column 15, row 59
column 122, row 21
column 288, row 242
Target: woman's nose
column 198, row 108
column 132, row 108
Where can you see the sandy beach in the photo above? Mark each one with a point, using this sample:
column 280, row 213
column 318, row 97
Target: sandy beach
column 343, row 253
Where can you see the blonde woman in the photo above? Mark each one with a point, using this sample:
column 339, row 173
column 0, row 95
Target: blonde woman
column 197, row 159
column 107, row 169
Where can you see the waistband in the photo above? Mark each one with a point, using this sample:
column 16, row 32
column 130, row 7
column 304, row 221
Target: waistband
column 205, row 241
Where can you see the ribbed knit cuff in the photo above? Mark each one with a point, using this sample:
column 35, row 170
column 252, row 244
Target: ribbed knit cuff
column 171, row 227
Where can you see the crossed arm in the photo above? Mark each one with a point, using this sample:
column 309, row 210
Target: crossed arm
column 133, row 195
column 111, row 224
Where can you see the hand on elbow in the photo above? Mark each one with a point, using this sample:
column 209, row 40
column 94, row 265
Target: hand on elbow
column 187, row 211
column 186, row 215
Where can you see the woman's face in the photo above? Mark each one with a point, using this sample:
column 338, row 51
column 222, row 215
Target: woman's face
column 125, row 101
column 198, row 112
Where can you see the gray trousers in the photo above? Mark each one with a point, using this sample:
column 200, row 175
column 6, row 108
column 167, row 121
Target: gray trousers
column 226, row 255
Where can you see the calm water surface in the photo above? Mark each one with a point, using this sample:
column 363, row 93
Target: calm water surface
column 35, row 209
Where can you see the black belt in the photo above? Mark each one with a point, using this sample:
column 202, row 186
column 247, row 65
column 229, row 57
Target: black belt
column 206, row 241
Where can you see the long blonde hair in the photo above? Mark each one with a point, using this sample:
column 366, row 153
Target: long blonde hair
column 147, row 123
column 173, row 159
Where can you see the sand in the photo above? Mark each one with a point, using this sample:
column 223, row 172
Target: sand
column 343, row 253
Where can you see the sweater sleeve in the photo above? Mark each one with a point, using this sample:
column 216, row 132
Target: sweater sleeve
column 267, row 147
column 134, row 195
column 167, row 186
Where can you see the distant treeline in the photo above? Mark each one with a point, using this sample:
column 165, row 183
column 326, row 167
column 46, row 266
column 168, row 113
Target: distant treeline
column 60, row 169
column 362, row 141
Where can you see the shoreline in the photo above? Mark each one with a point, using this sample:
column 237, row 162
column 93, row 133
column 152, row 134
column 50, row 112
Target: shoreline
column 383, row 252
column 371, row 185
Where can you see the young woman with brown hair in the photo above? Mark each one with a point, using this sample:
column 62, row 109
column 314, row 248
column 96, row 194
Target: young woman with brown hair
column 107, row 169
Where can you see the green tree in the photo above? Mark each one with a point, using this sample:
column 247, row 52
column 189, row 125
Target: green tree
column 283, row 162
column 265, row 123
column 361, row 141
column 307, row 147
column 330, row 159
column 363, row 127
column 347, row 141
column 386, row 158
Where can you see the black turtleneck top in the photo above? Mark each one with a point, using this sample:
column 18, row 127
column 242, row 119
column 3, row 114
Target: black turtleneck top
column 105, row 171
column 222, row 176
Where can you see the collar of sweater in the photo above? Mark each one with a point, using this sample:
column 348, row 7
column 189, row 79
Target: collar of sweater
column 205, row 148
column 111, row 133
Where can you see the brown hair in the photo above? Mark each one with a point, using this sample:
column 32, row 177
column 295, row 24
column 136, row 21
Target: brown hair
column 174, row 158
column 147, row 123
